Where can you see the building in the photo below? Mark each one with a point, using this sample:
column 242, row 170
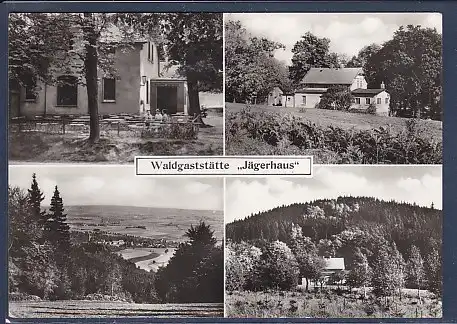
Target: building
column 318, row 80
column 143, row 82
column 275, row 97
column 333, row 265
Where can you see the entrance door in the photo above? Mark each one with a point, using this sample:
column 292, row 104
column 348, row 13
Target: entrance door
column 167, row 99
column 14, row 103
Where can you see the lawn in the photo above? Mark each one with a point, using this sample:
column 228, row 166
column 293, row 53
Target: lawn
column 328, row 305
column 73, row 147
column 343, row 119
column 81, row 308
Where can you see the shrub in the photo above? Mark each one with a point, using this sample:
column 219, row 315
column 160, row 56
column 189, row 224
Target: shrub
column 336, row 98
column 371, row 109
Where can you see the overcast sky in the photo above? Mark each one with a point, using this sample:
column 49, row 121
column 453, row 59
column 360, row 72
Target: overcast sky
column 348, row 32
column 414, row 184
column 118, row 185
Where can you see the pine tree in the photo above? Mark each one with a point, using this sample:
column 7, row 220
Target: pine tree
column 59, row 231
column 433, row 266
column 398, row 265
column 35, row 199
column 383, row 273
column 415, row 269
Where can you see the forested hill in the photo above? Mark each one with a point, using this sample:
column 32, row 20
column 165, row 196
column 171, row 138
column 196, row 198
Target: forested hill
column 334, row 220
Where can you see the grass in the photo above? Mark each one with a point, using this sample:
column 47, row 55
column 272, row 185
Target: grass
column 80, row 308
column 343, row 119
column 332, row 137
column 73, row 147
column 327, row 305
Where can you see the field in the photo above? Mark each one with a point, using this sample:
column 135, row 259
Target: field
column 78, row 308
column 73, row 147
column 159, row 223
column 332, row 137
column 148, row 258
column 329, row 305
column 343, row 119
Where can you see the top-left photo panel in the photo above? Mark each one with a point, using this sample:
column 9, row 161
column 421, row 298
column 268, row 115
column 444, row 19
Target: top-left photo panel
column 106, row 87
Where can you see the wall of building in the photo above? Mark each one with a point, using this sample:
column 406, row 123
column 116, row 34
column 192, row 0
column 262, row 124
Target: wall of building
column 381, row 108
column 312, row 99
column 148, row 68
column 289, row 101
column 127, row 66
column 359, row 83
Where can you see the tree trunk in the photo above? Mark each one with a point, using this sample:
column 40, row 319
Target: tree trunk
column 307, row 285
column 90, row 66
column 194, row 100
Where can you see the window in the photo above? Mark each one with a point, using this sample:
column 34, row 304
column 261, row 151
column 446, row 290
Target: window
column 387, row 100
column 30, row 88
column 161, row 53
column 378, row 101
column 149, row 51
column 357, row 101
column 288, row 99
column 367, row 101
column 304, row 100
column 109, row 89
column 147, row 92
column 67, row 91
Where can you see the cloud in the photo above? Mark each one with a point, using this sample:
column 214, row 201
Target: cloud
column 117, row 185
column 422, row 186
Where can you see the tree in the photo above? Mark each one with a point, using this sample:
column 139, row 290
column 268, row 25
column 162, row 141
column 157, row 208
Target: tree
column 251, row 70
column 276, row 269
column 415, row 269
column 241, row 260
column 360, row 273
column 35, row 199
column 363, row 56
column 194, row 41
column 310, row 263
column 383, row 280
column 194, row 265
column 59, row 231
column 410, row 65
column 398, row 266
column 311, row 51
column 336, row 98
column 433, row 267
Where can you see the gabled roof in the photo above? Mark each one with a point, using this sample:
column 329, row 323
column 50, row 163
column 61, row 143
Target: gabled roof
column 312, row 90
column 331, row 76
column 366, row 92
column 334, row 264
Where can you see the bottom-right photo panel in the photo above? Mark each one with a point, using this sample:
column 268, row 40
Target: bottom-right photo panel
column 353, row 241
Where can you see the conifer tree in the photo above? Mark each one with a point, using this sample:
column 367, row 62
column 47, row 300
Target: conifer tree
column 398, row 265
column 35, row 199
column 360, row 274
column 59, row 231
column 415, row 269
column 383, row 273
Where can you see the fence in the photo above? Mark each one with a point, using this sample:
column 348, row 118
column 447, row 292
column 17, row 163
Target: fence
column 172, row 129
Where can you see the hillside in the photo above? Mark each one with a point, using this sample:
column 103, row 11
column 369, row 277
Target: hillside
column 343, row 119
column 147, row 222
column 345, row 222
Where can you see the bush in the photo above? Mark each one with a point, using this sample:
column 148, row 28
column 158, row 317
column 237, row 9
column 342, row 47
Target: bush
column 272, row 134
column 277, row 269
column 371, row 109
column 336, row 98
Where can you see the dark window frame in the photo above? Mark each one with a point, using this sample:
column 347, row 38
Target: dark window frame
column 104, row 92
column 72, row 85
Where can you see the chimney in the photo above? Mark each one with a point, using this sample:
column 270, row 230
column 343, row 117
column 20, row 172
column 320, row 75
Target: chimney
column 383, row 86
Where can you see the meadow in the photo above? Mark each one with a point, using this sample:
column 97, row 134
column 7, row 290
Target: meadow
column 332, row 137
column 148, row 258
column 96, row 309
column 330, row 304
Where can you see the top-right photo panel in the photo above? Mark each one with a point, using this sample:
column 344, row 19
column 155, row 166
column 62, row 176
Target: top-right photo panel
column 346, row 88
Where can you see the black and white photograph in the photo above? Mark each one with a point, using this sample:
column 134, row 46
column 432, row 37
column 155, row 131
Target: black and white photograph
column 101, row 242
column 352, row 242
column 347, row 88
column 105, row 87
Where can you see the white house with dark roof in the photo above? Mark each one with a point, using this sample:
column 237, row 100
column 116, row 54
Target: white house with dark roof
column 332, row 265
column 318, row 80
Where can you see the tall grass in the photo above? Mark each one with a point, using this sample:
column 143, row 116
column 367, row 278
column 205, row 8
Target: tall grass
column 262, row 133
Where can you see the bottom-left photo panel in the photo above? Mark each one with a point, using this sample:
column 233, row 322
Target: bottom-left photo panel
column 98, row 241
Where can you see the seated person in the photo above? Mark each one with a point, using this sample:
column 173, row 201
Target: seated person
column 147, row 118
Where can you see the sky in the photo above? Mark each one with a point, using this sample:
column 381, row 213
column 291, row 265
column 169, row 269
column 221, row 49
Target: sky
column 414, row 184
column 348, row 32
column 118, row 185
